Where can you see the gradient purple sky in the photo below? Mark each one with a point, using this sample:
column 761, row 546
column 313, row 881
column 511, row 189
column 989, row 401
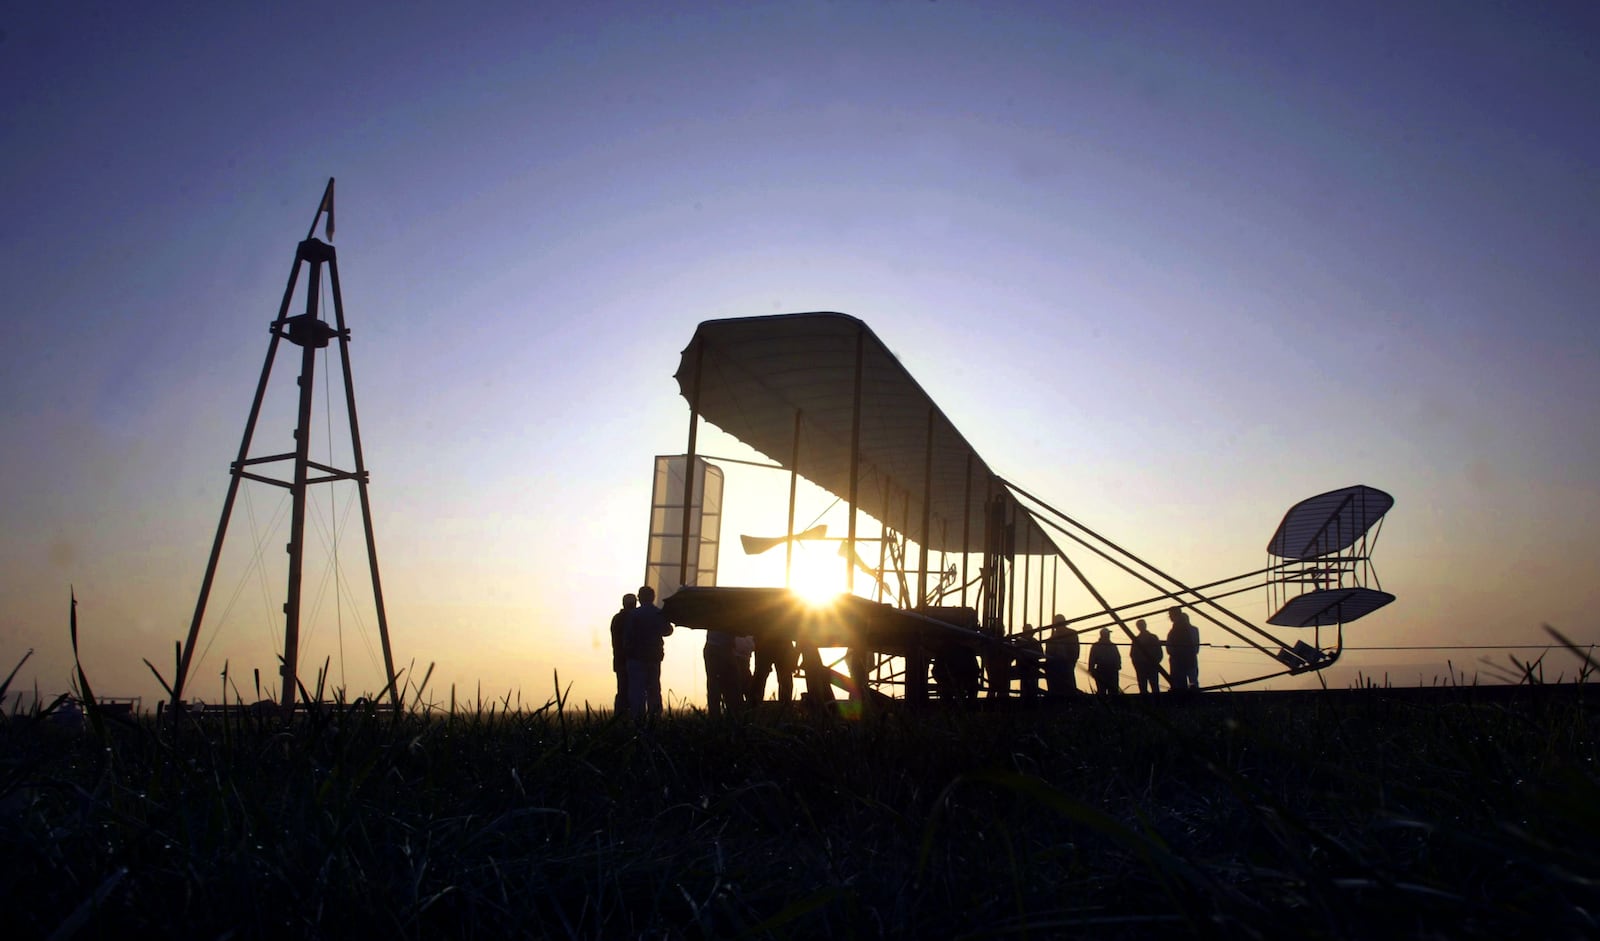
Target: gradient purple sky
column 1171, row 268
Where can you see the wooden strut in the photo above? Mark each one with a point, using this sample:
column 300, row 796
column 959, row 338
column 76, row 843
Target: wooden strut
column 927, row 498
column 859, row 658
column 1011, row 556
column 884, row 536
column 1027, row 560
column 361, row 476
column 988, row 576
column 855, row 462
column 307, row 341
column 966, row 528
column 794, row 479
column 903, row 550
column 688, row 471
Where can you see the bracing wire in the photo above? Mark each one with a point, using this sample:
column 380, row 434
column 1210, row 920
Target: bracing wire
column 818, row 518
column 360, row 624
column 323, row 528
column 253, row 564
column 261, row 570
column 1180, row 589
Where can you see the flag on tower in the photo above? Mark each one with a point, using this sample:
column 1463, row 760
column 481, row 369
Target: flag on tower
column 327, row 207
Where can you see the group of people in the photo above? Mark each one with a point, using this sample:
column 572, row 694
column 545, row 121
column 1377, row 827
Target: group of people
column 1181, row 651
column 638, row 631
column 638, row 648
column 731, row 682
column 1060, row 653
column 1057, row 657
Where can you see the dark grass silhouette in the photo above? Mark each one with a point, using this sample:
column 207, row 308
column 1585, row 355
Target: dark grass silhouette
column 1222, row 817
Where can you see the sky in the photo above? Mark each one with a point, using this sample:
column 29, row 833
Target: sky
column 1171, row 267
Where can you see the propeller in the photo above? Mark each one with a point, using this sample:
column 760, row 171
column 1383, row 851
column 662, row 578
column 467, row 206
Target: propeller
column 863, row 567
column 755, row 545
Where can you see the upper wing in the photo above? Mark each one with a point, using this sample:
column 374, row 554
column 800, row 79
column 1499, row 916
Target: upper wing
column 1328, row 522
column 752, row 376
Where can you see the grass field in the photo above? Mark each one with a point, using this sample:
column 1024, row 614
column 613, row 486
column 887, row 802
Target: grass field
column 1349, row 816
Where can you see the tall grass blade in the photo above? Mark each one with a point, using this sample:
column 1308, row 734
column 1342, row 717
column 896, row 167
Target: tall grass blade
column 417, row 702
column 13, row 674
column 90, row 707
column 159, row 678
column 1590, row 665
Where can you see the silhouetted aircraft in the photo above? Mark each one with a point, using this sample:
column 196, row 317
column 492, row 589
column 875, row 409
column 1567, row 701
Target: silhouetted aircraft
column 962, row 553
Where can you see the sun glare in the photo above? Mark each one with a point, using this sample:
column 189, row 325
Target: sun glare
column 818, row 579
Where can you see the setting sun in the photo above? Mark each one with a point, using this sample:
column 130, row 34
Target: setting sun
column 817, row 577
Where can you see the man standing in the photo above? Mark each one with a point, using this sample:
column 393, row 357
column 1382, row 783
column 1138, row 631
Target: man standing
column 1183, row 652
column 619, row 650
column 776, row 654
column 1061, row 659
column 645, row 652
column 1194, row 653
column 1105, row 664
column 1145, row 654
column 723, row 692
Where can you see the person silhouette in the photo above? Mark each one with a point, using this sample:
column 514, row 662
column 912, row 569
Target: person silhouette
column 724, row 692
column 1061, row 659
column 1104, row 664
column 646, row 650
column 1145, row 655
column 956, row 674
column 775, row 654
column 619, row 650
column 1183, row 652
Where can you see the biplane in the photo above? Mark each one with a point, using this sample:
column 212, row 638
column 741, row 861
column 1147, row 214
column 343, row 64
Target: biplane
column 945, row 548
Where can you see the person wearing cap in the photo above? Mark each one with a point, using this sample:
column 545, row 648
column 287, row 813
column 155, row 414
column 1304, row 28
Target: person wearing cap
column 1104, row 664
column 1061, row 659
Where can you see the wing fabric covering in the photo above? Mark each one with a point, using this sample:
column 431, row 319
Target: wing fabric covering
column 1325, row 607
column 750, row 375
column 1328, row 522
